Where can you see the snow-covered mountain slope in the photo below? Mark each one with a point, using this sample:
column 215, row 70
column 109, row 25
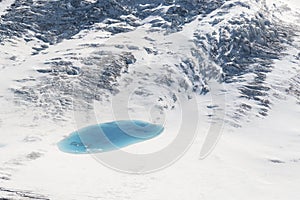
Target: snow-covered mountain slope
column 68, row 64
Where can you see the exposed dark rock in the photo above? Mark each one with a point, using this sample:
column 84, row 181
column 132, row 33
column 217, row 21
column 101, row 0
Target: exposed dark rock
column 276, row 161
column 13, row 194
column 243, row 46
column 53, row 21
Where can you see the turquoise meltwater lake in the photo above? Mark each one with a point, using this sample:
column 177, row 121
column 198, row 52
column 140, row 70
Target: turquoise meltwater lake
column 109, row 136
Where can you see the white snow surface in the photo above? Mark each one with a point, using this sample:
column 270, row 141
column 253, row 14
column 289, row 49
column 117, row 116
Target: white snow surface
column 259, row 160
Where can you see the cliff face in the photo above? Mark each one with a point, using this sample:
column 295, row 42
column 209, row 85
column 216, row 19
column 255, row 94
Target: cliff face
column 231, row 41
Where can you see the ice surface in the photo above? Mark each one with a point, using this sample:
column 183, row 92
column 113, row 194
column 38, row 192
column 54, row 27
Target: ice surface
column 109, row 136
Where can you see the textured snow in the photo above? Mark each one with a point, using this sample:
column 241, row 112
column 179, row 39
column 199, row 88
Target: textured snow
column 49, row 90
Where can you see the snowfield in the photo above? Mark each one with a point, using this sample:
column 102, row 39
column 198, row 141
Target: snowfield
column 222, row 77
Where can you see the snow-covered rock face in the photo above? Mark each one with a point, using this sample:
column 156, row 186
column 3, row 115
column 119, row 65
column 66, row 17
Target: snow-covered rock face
column 244, row 40
column 42, row 24
column 53, row 21
column 235, row 42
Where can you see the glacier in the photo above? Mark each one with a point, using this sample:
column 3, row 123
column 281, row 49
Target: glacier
column 65, row 65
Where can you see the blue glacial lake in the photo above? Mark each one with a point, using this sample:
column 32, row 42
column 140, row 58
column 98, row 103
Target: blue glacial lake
column 109, row 136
